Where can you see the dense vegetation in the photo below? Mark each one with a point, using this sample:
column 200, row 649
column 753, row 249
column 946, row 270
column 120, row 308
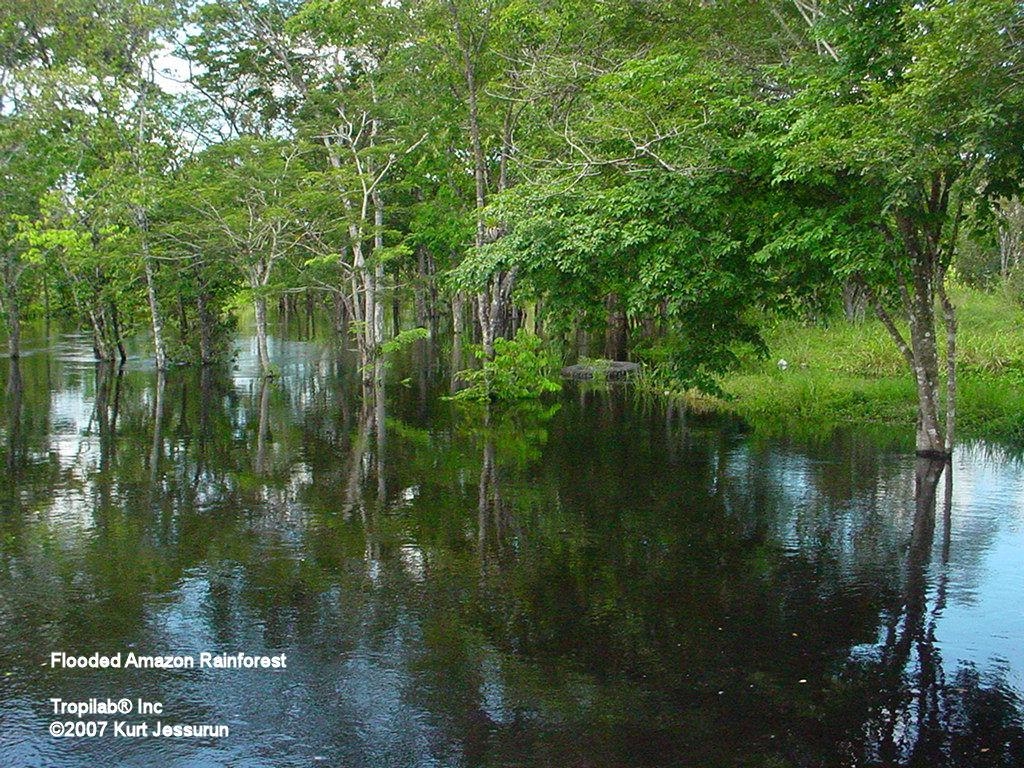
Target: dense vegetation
column 658, row 180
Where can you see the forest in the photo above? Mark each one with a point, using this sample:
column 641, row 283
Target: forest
column 525, row 182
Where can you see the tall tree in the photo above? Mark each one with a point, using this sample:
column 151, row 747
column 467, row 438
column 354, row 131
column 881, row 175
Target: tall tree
column 243, row 196
column 916, row 119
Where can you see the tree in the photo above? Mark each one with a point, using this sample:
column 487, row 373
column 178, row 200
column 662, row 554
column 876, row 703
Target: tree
column 243, row 194
column 917, row 119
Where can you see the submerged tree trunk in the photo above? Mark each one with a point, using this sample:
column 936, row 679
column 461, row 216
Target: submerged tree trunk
column 922, row 243
column 616, row 331
column 260, row 306
column 142, row 221
column 493, row 299
column 155, row 317
column 458, row 330
column 13, row 316
column 118, row 336
column 101, row 345
column 420, row 290
column 207, row 329
column 378, row 277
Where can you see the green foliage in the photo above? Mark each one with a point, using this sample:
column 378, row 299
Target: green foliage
column 404, row 339
column 522, row 369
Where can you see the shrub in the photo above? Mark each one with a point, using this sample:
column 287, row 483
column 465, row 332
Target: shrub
column 522, row 368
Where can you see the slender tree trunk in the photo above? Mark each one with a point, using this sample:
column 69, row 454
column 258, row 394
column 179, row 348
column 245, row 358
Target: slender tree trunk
column 101, row 345
column 378, row 274
column 433, row 308
column 13, row 317
column 379, row 424
column 46, row 307
column 142, row 221
column 206, row 329
column 364, row 281
column 118, row 339
column 918, row 295
column 420, row 291
column 926, row 363
column 260, row 305
column 949, row 317
column 458, row 331
column 485, row 317
column 156, row 319
column 616, row 331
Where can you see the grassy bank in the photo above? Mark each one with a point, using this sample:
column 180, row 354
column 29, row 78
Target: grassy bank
column 844, row 374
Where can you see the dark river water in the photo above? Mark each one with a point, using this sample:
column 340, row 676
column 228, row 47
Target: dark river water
column 596, row 581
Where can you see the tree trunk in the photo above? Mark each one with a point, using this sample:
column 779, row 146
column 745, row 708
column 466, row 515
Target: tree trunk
column 949, row 316
column 853, row 301
column 159, row 349
column 378, row 274
column 488, row 301
column 260, row 304
column 206, row 329
column 13, row 318
column 921, row 243
column 458, row 330
column 616, row 332
column 118, row 340
column 433, row 309
column 420, row 292
column 101, row 346
column 922, row 357
column 142, row 220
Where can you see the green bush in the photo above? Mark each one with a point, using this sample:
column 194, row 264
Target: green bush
column 522, row 368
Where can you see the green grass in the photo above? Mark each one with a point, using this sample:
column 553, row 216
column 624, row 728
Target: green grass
column 843, row 374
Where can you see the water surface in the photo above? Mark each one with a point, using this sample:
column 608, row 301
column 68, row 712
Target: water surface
column 590, row 582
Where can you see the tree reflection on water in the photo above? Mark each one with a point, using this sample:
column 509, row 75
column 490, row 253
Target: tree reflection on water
column 586, row 583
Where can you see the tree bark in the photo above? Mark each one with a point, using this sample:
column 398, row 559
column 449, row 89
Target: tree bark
column 420, row 291
column 921, row 242
column 118, row 338
column 260, row 305
column 207, row 330
column 458, row 331
column 949, row 317
column 853, row 301
column 378, row 274
column 616, row 332
column 13, row 315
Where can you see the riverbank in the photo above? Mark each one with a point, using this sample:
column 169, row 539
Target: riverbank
column 844, row 374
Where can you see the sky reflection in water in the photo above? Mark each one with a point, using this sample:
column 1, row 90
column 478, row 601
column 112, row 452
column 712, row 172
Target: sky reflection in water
column 592, row 582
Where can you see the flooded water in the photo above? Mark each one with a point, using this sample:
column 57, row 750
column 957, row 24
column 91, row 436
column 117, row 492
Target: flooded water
column 590, row 582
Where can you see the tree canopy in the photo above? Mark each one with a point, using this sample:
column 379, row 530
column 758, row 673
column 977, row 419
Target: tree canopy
column 647, row 178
